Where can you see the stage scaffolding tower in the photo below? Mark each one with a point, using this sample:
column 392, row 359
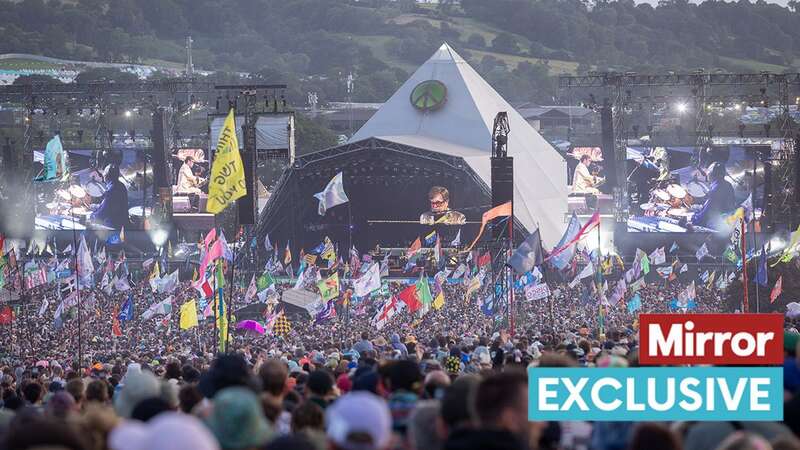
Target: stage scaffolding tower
column 621, row 89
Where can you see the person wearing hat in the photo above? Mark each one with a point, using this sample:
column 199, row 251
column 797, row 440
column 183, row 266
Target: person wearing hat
column 237, row 420
column 358, row 421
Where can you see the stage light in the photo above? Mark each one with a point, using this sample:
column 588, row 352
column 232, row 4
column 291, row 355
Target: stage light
column 128, row 113
column 159, row 237
column 681, row 107
column 776, row 244
column 737, row 106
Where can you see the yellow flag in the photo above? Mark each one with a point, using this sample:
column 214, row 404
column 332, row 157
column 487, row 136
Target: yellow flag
column 188, row 315
column 155, row 274
column 226, row 183
column 438, row 302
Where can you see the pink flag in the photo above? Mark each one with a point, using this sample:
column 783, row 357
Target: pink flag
column 210, row 237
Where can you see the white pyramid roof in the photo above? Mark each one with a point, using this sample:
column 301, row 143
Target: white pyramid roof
column 465, row 121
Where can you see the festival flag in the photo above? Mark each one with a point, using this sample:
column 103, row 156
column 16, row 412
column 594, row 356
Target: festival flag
column 460, row 271
column 593, row 223
column 265, row 281
column 126, row 313
column 503, row 210
column 389, row 309
column 287, row 254
column 587, row 271
column 251, row 289
column 116, row 329
column 267, row 244
column 704, row 276
column 474, row 285
column 84, row 260
column 710, row 281
column 368, row 282
column 684, row 268
column 211, row 236
column 333, row 195
column 644, row 262
column 326, row 313
column 329, row 288
column 788, row 253
column 637, row 285
column 761, row 276
column 6, row 315
column 658, row 256
column 158, row 309
column 282, row 326
column 188, row 315
column 227, row 180
column 702, row 252
column 528, row 254
column 328, row 252
column 424, row 291
column 410, row 298
column 664, row 272
column 457, row 241
column 674, row 247
column 484, row 260
column 415, row 248
column 776, row 290
column 635, row 303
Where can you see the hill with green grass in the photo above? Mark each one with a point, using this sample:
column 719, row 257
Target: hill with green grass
column 520, row 46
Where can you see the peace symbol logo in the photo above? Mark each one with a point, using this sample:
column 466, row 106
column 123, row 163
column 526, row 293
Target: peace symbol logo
column 429, row 95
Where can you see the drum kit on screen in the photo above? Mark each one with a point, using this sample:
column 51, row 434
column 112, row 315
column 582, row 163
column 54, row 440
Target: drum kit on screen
column 672, row 200
column 76, row 200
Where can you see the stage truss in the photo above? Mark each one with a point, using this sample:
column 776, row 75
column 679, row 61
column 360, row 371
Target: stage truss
column 624, row 91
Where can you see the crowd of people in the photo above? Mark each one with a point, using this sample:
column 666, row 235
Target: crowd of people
column 453, row 378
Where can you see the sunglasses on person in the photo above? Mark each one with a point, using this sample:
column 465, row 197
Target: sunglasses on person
column 437, row 202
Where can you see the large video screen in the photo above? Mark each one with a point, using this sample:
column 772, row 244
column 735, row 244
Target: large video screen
column 692, row 189
column 89, row 189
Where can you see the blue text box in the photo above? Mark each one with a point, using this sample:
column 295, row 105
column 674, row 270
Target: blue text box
column 643, row 393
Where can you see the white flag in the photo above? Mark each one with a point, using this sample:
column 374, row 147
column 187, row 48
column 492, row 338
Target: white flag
column 267, row 244
column 684, row 268
column 586, row 272
column 457, row 241
column 43, row 309
column 85, row 265
column 368, row 282
column 702, row 252
column 251, row 290
column 658, row 256
column 333, row 195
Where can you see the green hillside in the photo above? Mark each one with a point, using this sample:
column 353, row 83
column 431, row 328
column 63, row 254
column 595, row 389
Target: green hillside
column 518, row 45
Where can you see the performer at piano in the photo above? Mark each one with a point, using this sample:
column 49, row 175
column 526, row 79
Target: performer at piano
column 583, row 182
column 440, row 212
column 188, row 182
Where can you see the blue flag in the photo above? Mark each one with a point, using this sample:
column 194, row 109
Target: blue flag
column 635, row 303
column 126, row 313
column 528, row 254
column 562, row 259
column 761, row 277
column 487, row 307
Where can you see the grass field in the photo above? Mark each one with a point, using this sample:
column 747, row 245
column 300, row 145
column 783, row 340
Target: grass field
column 23, row 64
column 750, row 65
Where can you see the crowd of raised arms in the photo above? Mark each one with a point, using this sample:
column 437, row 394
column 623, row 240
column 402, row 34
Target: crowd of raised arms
column 112, row 371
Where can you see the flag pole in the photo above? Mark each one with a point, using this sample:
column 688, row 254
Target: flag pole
column 544, row 278
column 743, row 244
column 77, row 284
column 232, row 293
